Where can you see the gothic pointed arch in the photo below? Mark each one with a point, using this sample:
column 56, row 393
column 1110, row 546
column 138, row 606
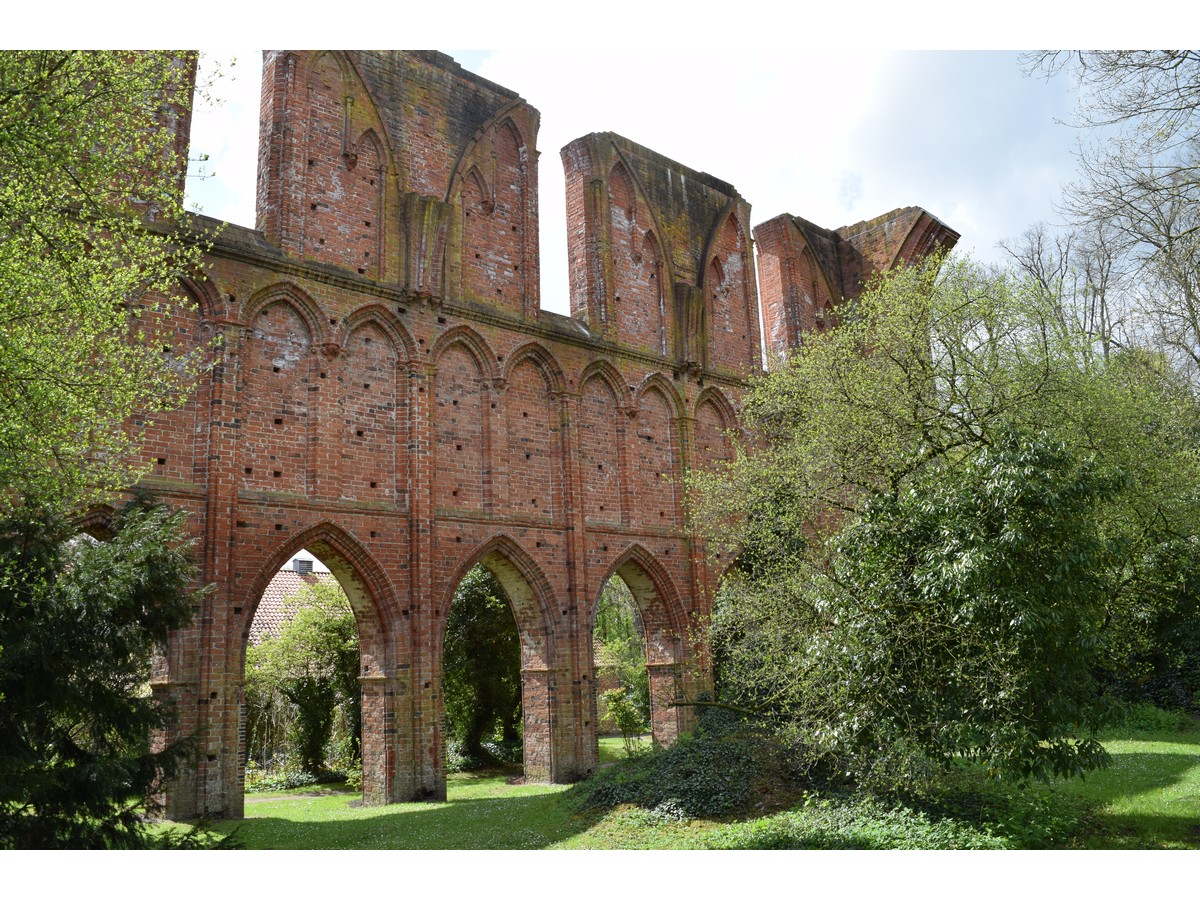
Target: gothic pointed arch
column 655, row 465
column 387, row 321
column 296, row 298
column 620, row 195
column 528, row 590
column 647, row 212
column 344, row 176
column 530, row 449
column 609, row 374
column 542, row 359
column 659, row 383
column 369, row 425
column 476, row 187
column 360, row 575
column 383, row 643
column 463, row 411
column 203, row 291
column 601, row 428
column 713, row 395
column 98, row 522
column 664, row 626
column 732, row 322
column 277, row 365
column 466, row 158
column 658, row 599
column 495, row 250
column 532, row 602
column 713, row 419
column 473, row 343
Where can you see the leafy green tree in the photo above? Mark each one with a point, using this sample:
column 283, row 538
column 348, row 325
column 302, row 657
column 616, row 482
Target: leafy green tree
column 481, row 666
column 313, row 666
column 959, row 618
column 90, row 259
column 79, row 620
column 881, row 445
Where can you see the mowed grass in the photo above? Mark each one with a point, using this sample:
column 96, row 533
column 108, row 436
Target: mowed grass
column 612, row 749
column 1149, row 798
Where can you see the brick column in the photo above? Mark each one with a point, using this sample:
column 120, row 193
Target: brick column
column 580, row 593
column 428, row 774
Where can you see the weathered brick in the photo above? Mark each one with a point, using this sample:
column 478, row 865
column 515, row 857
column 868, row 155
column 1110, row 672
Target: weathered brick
column 385, row 391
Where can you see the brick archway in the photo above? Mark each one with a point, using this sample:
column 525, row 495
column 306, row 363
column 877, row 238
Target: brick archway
column 385, row 389
column 531, row 602
column 383, row 651
column 664, row 623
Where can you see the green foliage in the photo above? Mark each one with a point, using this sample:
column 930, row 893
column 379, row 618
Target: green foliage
column 631, row 722
column 859, row 824
column 304, row 676
column 1146, row 718
column 79, row 620
column 1145, row 800
column 716, row 771
column 621, row 655
column 284, row 773
column 955, row 520
column 960, row 619
column 481, row 669
column 86, row 287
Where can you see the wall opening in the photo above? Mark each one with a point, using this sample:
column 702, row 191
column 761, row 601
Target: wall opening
column 302, row 710
column 481, row 677
column 635, row 598
column 620, row 675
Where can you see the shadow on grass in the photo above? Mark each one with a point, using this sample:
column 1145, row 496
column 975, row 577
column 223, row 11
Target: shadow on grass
column 493, row 823
column 1135, row 802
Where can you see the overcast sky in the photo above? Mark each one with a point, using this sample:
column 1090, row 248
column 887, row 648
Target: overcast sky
column 834, row 136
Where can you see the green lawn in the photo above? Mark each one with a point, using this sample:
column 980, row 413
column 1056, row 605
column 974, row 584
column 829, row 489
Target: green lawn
column 613, row 748
column 1150, row 798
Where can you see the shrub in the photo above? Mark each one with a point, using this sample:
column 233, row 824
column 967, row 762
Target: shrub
column 717, row 771
column 1146, row 718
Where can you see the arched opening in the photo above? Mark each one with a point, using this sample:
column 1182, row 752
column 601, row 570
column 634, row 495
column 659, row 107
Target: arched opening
column 341, row 642
column 636, row 615
column 620, row 674
column 481, row 677
column 302, row 701
column 513, row 578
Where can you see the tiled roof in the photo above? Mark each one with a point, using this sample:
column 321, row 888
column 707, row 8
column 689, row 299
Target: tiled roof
column 271, row 614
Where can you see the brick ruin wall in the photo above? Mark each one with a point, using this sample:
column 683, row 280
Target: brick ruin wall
column 385, row 391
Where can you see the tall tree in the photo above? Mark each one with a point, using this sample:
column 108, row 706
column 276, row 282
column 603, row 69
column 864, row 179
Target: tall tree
column 912, row 464
column 79, row 619
column 1139, row 181
column 90, row 251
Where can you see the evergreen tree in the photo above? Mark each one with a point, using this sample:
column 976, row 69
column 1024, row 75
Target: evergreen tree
column 79, row 620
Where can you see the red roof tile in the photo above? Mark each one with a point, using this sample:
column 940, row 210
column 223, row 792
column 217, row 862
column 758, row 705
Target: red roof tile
column 272, row 613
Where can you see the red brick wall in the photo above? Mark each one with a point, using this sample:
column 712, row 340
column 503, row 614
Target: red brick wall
column 805, row 271
column 387, row 393
column 732, row 312
column 601, row 433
